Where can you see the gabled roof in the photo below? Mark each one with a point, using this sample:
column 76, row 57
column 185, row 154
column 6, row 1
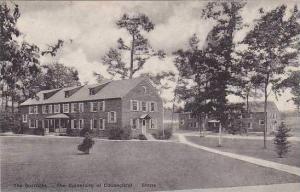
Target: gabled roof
column 112, row 89
column 258, row 106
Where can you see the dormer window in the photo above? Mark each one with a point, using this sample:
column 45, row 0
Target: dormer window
column 92, row 92
column 67, row 94
column 145, row 89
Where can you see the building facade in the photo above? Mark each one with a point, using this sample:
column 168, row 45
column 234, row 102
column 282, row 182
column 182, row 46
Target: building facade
column 132, row 103
column 249, row 122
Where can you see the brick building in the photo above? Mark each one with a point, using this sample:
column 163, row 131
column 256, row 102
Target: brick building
column 252, row 121
column 132, row 103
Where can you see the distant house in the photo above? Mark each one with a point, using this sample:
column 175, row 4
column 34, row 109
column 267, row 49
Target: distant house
column 132, row 103
column 252, row 121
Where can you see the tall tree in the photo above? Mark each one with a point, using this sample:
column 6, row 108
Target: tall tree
column 57, row 75
column 139, row 48
column 212, row 68
column 271, row 42
column 293, row 82
column 17, row 61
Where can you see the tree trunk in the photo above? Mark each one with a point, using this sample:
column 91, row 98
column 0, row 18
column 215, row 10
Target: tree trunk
column 131, row 58
column 265, row 114
column 247, row 102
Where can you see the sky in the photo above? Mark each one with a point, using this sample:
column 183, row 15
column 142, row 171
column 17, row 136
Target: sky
column 89, row 30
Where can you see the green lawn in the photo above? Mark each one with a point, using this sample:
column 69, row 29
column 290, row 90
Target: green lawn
column 252, row 148
column 169, row 166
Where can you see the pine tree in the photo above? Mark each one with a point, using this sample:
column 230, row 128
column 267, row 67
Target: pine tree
column 282, row 145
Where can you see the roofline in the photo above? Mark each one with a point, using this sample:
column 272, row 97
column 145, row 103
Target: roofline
column 70, row 101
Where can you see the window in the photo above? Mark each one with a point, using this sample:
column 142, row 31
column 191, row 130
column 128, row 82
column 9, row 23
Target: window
column 101, row 106
column 49, row 108
column 153, row 123
column 31, row 110
column 44, row 109
column 143, row 106
column 93, row 106
column 74, row 123
column 36, row 110
column 92, row 92
column 81, row 107
column 74, row 107
column 67, row 94
column 24, row 118
column 81, row 123
column 261, row 122
column 112, row 117
column 134, row 105
column 134, row 123
column 57, row 108
column 66, row 108
column 101, row 124
column 153, row 106
column 93, row 124
column 32, row 123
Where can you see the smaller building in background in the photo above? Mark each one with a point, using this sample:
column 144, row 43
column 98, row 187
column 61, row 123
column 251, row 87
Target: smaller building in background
column 247, row 122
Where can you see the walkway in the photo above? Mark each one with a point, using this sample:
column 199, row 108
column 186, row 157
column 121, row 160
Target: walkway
column 290, row 187
column 270, row 164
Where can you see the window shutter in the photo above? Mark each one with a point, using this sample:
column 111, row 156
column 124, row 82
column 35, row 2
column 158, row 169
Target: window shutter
column 155, row 106
column 103, row 125
column 108, row 117
column 72, row 123
column 36, row 123
column 103, row 104
column 91, row 124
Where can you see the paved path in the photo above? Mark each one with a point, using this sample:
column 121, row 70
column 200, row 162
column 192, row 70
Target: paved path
column 289, row 187
column 250, row 137
column 270, row 164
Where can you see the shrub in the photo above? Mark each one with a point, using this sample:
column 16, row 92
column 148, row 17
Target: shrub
column 282, row 145
column 163, row 134
column 119, row 134
column 84, row 131
column 39, row 131
column 69, row 132
column 142, row 137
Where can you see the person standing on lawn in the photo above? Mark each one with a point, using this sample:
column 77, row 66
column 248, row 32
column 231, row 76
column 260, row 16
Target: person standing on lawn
column 86, row 144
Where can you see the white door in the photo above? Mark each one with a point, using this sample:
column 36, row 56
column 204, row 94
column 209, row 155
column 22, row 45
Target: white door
column 144, row 126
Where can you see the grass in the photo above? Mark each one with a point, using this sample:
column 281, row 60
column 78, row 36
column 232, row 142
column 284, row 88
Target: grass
column 252, row 148
column 169, row 166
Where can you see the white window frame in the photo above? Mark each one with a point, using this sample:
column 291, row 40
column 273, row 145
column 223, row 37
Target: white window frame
column 103, row 124
column 55, row 107
column 50, row 109
column 80, row 107
column 101, row 105
column 31, row 110
column 154, row 106
column 73, row 107
column 73, row 124
column 131, row 105
column 137, row 123
column 260, row 122
column 34, row 123
column 153, row 122
column 36, row 109
column 80, row 123
column 92, row 105
column 66, row 108
column 141, row 105
column 44, row 109
column 109, row 117
column 24, row 118
column 93, row 124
